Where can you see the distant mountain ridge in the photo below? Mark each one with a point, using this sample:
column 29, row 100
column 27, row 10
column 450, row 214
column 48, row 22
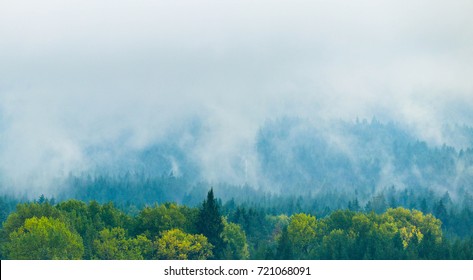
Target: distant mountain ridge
column 287, row 156
column 298, row 155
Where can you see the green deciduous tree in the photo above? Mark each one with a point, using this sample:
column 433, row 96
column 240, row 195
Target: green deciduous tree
column 336, row 245
column 113, row 245
column 25, row 211
column 236, row 247
column 90, row 219
column 178, row 245
column 302, row 233
column 151, row 221
column 413, row 223
column 44, row 239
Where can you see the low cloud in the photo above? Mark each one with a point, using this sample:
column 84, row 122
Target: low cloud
column 79, row 74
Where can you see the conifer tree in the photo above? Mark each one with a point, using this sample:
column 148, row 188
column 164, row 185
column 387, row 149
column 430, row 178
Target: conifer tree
column 210, row 224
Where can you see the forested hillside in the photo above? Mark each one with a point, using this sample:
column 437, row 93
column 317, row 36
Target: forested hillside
column 325, row 129
column 363, row 156
column 294, row 157
column 307, row 155
column 358, row 190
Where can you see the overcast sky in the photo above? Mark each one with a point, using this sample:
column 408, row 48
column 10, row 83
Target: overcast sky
column 76, row 73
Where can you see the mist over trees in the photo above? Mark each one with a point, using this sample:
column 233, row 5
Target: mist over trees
column 115, row 126
column 317, row 190
column 289, row 157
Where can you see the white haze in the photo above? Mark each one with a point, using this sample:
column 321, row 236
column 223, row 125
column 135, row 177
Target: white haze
column 75, row 74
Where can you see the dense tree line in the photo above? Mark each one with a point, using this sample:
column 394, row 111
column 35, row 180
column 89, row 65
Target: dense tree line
column 289, row 155
column 74, row 229
column 131, row 192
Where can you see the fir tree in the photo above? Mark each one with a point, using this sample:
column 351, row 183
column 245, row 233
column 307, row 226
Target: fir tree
column 210, row 224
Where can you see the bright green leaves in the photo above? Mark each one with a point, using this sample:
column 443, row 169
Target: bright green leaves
column 408, row 233
column 25, row 211
column 412, row 225
column 44, row 239
column 344, row 234
column 178, row 245
column 113, row 245
column 302, row 232
column 151, row 221
column 74, row 229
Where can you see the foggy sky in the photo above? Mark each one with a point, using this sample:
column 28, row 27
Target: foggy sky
column 75, row 74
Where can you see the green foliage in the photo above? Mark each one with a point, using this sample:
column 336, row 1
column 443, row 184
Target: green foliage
column 302, row 233
column 26, row 211
column 209, row 223
column 284, row 249
column 236, row 247
column 113, row 245
column 340, row 219
column 90, row 219
column 151, row 221
column 336, row 245
column 412, row 225
column 44, row 239
column 259, row 229
column 74, row 229
column 23, row 212
column 178, row 245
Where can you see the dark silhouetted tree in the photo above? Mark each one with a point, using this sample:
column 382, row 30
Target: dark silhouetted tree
column 210, row 224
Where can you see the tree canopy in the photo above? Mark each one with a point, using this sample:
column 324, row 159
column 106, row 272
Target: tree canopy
column 44, row 239
column 77, row 230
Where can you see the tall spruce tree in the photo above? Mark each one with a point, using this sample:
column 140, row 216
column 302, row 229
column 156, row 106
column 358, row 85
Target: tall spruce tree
column 210, row 224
